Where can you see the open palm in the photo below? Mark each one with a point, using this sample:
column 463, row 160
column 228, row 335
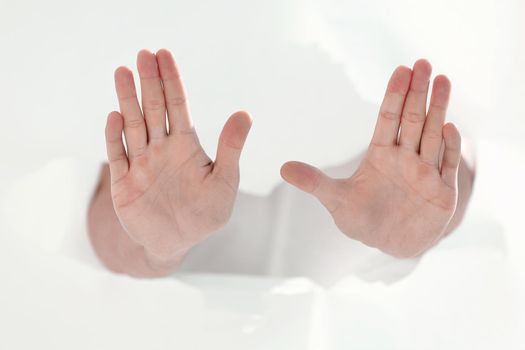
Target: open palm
column 404, row 193
column 167, row 193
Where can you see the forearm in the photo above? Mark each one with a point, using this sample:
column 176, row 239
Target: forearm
column 117, row 251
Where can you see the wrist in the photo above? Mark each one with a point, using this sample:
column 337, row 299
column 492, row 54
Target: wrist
column 165, row 264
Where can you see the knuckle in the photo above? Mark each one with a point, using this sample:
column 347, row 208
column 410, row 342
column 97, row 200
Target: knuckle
column 413, row 117
column 433, row 135
column 447, row 164
column 137, row 153
column 175, row 76
column 114, row 141
column 134, row 123
column 437, row 107
column 154, row 105
column 229, row 177
column 129, row 98
column 117, row 158
column 389, row 115
column 176, row 101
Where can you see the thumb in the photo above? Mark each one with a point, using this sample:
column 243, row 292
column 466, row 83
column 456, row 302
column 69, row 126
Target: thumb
column 312, row 180
column 231, row 142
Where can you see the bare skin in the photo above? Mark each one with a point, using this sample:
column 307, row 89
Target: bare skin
column 167, row 193
column 403, row 197
column 164, row 195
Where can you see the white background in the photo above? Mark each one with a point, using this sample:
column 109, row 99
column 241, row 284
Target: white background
column 295, row 65
column 312, row 74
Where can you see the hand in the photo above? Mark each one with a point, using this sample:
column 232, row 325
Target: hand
column 167, row 193
column 402, row 196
